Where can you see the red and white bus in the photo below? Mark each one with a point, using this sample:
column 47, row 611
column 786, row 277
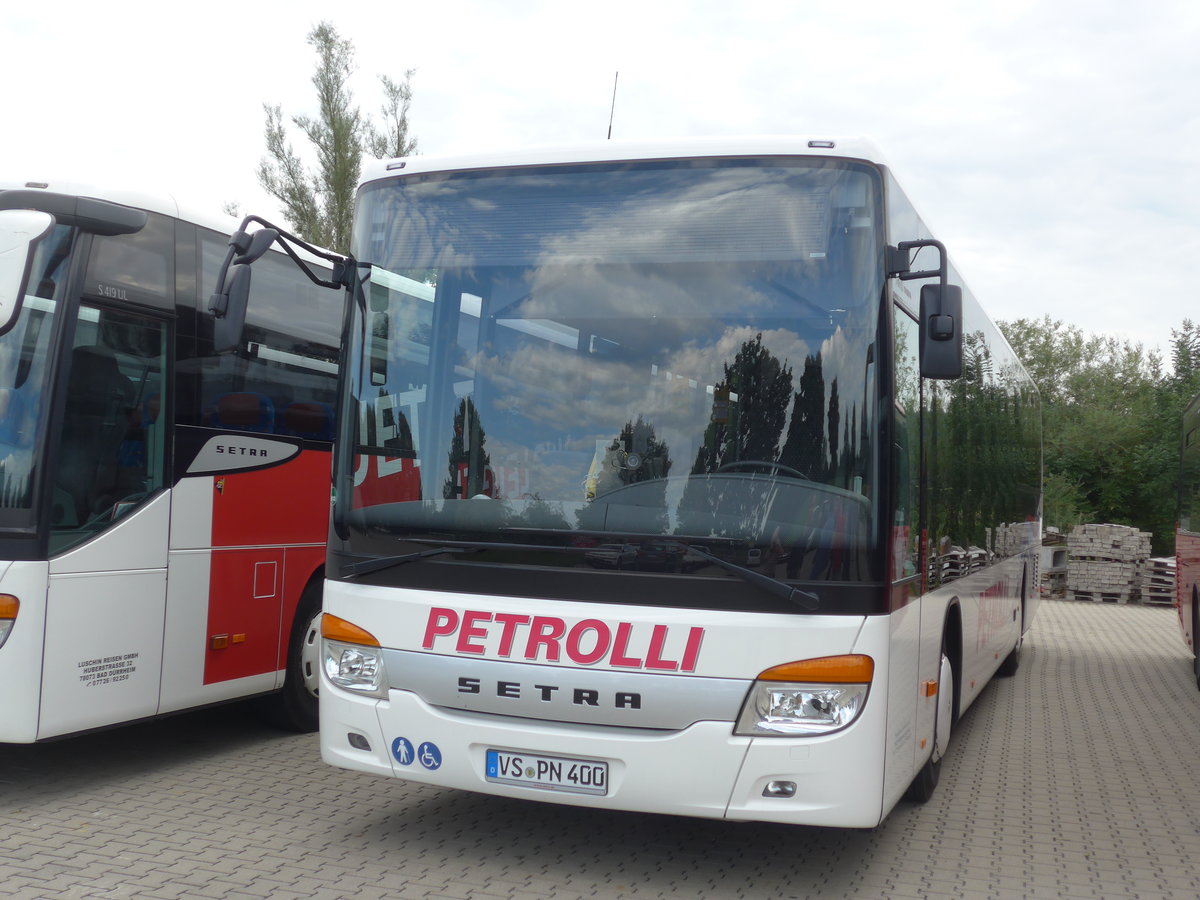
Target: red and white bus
column 163, row 508
column 1187, row 535
column 680, row 477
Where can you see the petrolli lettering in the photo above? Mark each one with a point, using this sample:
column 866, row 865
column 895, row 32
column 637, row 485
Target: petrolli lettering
column 588, row 642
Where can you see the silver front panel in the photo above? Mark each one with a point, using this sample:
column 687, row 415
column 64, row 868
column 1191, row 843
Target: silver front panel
column 558, row 694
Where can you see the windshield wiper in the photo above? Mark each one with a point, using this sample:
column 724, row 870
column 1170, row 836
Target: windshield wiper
column 386, row 562
column 808, row 602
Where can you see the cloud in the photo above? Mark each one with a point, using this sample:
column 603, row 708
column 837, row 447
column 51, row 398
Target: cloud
column 1050, row 143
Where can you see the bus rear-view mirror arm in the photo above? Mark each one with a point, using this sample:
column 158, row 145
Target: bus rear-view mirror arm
column 229, row 301
column 941, row 310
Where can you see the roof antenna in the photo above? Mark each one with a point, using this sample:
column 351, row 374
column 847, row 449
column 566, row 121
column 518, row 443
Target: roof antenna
column 612, row 111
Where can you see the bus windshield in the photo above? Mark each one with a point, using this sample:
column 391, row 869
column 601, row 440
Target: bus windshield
column 646, row 364
column 25, row 370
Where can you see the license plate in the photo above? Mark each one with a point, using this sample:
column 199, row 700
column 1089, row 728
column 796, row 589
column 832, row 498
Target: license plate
column 549, row 773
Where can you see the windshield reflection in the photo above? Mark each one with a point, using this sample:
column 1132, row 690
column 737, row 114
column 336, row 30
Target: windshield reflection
column 677, row 354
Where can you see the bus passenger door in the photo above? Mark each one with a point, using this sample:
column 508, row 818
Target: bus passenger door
column 108, row 531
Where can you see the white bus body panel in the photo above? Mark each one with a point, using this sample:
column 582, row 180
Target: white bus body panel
column 735, row 644
column 104, row 626
column 701, row 770
column 610, row 151
column 21, row 655
column 138, row 541
column 192, row 519
column 910, row 717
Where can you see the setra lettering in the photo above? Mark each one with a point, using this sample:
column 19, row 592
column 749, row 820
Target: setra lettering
column 546, row 693
column 235, row 450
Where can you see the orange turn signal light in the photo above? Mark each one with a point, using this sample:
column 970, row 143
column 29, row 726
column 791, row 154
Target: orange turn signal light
column 9, row 606
column 337, row 629
column 853, row 668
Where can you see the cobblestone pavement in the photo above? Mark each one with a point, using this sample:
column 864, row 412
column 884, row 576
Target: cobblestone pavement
column 1078, row 778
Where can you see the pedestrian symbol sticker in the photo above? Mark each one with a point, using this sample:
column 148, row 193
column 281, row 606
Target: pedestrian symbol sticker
column 402, row 749
column 429, row 755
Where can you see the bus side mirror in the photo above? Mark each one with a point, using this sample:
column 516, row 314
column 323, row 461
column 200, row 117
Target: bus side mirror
column 228, row 307
column 228, row 302
column 941, row 331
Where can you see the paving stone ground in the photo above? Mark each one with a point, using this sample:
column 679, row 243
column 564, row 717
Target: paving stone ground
column 1078, row 778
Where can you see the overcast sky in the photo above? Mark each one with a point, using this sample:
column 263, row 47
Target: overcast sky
column 1053, row 145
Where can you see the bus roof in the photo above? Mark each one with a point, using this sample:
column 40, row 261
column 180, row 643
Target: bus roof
column 155, row 202
column 605, row 151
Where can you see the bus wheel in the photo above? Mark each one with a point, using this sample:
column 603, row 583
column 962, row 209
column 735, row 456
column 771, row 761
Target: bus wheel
column 1196, row 636
column 1008, row 668
column 294, row 708
column 923, row 785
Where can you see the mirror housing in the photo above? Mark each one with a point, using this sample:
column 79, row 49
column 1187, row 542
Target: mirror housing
column 230, row 318
column 941, row 331
column 941, row 310
column 229, row 301
column 20, row 230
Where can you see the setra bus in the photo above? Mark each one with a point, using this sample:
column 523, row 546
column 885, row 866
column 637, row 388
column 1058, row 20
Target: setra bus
column 681, row 477
column 163, row 508
column 1187, row 534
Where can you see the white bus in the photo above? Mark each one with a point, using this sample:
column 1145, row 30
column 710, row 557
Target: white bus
column 163, row 507
column 681, row 478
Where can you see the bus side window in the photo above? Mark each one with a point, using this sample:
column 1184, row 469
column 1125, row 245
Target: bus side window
column 244, row 411
column 907, row 447
column 283, row 378
column 112, row 446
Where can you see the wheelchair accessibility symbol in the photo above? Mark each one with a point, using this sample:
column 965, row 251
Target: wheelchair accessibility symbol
column 429, row 755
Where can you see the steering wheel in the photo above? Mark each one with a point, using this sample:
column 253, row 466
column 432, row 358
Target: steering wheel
column 762, row 464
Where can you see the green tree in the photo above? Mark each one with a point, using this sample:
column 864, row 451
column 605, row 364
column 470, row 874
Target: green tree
column 468, row 459
column 1184, row 382
column 746, row 425
column 1111, row 423
column 318, row 205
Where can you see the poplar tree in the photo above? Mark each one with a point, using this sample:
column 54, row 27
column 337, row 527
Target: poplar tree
column 318, row 204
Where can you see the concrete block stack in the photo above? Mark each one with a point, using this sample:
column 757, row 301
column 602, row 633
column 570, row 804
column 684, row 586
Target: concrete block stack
column 1106, row 563
column 1053, row 563
column 1158, row 583
column 1012, row 539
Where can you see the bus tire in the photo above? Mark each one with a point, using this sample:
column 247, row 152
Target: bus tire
column 1012, row 662
column 923, row 785
column 294, row 708
column 1196, row 637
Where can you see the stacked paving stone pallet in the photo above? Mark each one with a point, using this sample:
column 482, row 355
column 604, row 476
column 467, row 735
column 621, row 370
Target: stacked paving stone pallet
column 1008, row 540
column 1106, row 563
column 1054, row 563
column 1158, row 585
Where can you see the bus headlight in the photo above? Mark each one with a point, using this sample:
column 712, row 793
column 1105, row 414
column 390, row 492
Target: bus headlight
column 8, row 615
column 809, row 697
column 352, row 657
